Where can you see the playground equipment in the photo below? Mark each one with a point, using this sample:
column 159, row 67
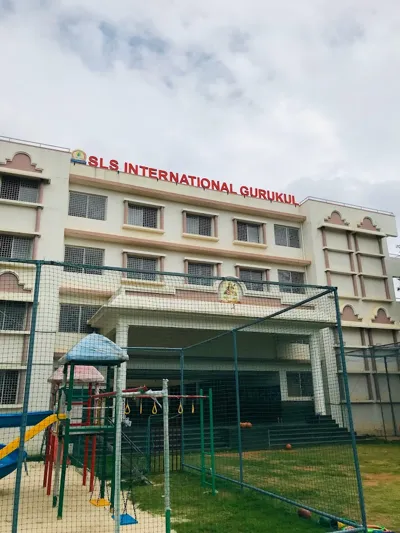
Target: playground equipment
column 88, row 407
column 101, row 414
column 40, row 420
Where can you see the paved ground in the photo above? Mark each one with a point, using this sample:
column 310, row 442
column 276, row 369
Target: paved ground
column 37, row 515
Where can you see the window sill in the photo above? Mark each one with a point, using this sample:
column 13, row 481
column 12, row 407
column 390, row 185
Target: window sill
column 11, row 405
column 251, row 244
column 208, row 238
column 142, row 228
column 12, row 264
column 142, row 282
column 20, row 203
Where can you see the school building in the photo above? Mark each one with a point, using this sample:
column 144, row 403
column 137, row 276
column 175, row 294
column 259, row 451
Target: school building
column 68, row 206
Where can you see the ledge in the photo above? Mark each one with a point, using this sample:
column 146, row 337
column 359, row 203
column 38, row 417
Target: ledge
column 19, row 203
column 339, row 227
column 142, row 282
column 14, row 332
column 372, row 276
column 339, row 250
column 131, row 227
column 341, row 272
column 179, row 247
column 250, row 244
column 378, row 300
column 197, row 201
column 24, row 174
column 370, row 254
column 10, row 265
column 200, row 237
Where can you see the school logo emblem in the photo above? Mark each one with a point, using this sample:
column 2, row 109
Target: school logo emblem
column 79, row 156
column 230, row 291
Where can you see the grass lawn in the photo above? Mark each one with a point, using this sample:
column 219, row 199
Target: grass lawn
column 304, row 475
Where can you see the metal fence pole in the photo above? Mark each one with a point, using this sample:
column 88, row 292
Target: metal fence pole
column 349, row 413
column 390, row 397
column 167, row 488
column 239, row 431
column 182, row 370
column 25, row 407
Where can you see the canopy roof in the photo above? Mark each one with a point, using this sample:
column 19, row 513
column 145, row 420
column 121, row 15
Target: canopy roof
column 95, row 349
column 82, row 374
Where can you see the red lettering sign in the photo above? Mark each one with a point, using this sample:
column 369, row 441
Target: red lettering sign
column 192, row 181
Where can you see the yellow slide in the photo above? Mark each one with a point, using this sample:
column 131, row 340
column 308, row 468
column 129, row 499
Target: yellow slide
column 32, row 432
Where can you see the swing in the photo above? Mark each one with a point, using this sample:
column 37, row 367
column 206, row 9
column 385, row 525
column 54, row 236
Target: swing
column 99, row 502
column 126, row 519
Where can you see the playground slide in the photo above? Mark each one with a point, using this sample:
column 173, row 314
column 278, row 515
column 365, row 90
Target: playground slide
column 32, row 432
column 9, row 463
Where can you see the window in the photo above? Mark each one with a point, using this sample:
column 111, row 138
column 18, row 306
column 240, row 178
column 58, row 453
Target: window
column 12, row 315
column 24, row 190
column 299, row 384
column 252, row 279
column 87, row 205
column 14, row 247
column 287, row 236
column 286, row 276
column 74, row 318
column 199, row 224
column 200, row 269
column 149, row 266
column 248, row 232
column 83, row 256
column 8, row 386
column 145, row 216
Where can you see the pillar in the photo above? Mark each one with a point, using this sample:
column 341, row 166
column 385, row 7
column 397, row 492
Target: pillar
column 332, row 376
column 121, row 339
column 316, row 369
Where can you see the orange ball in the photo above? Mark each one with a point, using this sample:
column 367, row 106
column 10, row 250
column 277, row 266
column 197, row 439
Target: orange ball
column 288, row 446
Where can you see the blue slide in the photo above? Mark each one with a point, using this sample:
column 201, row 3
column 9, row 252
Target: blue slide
column 13, row 420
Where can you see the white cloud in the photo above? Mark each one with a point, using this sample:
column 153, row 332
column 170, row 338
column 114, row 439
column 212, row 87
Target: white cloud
column 250, row 91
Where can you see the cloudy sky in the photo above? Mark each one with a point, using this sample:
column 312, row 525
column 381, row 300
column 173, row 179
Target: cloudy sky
column 303, row 95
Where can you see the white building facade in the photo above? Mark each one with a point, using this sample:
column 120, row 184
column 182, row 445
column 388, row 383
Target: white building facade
column 59, row 205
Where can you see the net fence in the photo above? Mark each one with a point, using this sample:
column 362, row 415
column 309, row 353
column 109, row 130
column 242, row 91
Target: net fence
column 376, row 387
column 278, row 422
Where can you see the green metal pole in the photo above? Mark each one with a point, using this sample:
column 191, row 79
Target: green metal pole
column 25, row 408
column 114, row 449
column 238, row 416
column 202, row 451
column 66, row 442
column 182, row 365
column 212, row 450
column 167, row 484
column 105, row 422
column 349, row 412
column 148, row 445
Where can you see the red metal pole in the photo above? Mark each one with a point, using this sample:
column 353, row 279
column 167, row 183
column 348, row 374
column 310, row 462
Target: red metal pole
column 52, row 456
column 108, row 394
